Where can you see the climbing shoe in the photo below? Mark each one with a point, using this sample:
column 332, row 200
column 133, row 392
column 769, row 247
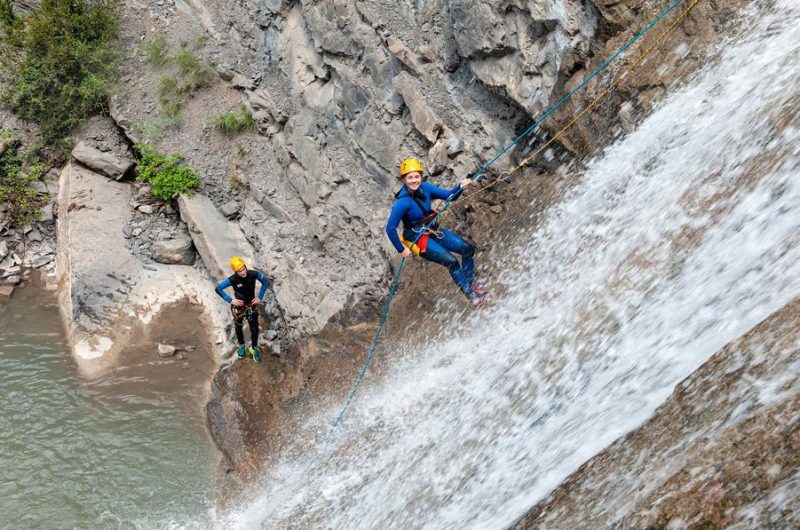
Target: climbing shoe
column 477, row 300
column 255, row 352
column 241, row 352
column 478, row 288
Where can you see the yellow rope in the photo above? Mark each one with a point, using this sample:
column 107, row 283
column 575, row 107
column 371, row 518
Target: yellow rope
column 580, row 115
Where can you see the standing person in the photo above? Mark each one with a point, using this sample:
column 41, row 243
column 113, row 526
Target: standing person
column 244, row 303
column 413, row 207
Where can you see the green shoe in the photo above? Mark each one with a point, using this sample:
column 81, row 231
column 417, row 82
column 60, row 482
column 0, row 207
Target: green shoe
column 255, row 352
column 240, row 353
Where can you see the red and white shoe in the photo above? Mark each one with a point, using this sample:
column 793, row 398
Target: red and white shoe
column 478, row 288
column 477, row 300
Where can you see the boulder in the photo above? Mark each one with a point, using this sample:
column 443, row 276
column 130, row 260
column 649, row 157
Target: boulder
column 166, row 350
column 3, row 249
column 11, row 271
column 300, row 60
column 48, row 218
column 122, row 121
column 215, row 238
column 422, row 116
column 478, row 30
column 105, row 163
column 39, row 186
column 274, row 210
column 34, row 235
column 175, row 251
column 240, row 81
column 42, row 260
column 325, row 20
column 520, row 52
column 261, row 101
column 402, row 52
column 437, row 157
column 319, row 94
column 6, row 290
column 229, row 209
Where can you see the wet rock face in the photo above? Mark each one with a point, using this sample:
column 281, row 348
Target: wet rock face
column 722, row 452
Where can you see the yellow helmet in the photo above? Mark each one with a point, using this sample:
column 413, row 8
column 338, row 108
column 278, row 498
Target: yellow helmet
column 409, row 165
column 237, row 263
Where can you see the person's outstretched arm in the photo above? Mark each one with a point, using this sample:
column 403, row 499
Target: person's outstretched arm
column 440, row 193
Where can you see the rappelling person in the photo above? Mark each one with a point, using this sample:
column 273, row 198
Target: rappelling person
column 244, row 303
column 413, row 207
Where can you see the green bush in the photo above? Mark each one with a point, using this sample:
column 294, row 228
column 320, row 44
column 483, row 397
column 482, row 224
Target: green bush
column 167, row 174
column 156, row 50
column 59, row 61
column 185, row 74
column 233, row 123
column 194, row 73
column 170, row 95
column 17, row 172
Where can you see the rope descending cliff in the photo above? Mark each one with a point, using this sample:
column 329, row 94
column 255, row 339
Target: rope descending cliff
column 487, row 165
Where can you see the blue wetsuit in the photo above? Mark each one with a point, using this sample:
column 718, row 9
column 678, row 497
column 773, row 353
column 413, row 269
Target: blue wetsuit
column 244, row 289
column 411, row 209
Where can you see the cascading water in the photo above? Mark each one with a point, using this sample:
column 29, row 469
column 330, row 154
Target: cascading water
column 680, row 238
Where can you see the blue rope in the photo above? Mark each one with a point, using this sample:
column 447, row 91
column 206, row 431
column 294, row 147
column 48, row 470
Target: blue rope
column 373, row 348
column 574, row 90
column 396, row 280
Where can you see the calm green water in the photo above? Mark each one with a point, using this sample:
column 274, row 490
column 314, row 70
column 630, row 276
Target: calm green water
column 127, row 451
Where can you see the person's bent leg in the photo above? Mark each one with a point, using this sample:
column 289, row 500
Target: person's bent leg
column 437, row 254
column 452, row 242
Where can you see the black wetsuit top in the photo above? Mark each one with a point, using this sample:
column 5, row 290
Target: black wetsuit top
column 244, row 289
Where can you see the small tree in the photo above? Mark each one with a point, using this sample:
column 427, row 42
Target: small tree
column 17, row 173
column 59, row 62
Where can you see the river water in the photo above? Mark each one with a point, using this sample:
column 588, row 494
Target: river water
column 678, row 239
column 129, row 450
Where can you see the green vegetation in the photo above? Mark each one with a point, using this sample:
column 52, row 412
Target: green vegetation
column 232, row 123
column 156, row 50
column 167, row 174
column 194, row 73
column 149, row 131
column 60, row 62
column 185, row 73
column 170, row 95
column 17, row 172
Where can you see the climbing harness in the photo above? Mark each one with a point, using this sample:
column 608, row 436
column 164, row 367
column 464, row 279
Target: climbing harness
column 424, row 228
column 506, row 176
column 243, row 311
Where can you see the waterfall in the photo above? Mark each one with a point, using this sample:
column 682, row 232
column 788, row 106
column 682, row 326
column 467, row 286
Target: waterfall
column 677, row 239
